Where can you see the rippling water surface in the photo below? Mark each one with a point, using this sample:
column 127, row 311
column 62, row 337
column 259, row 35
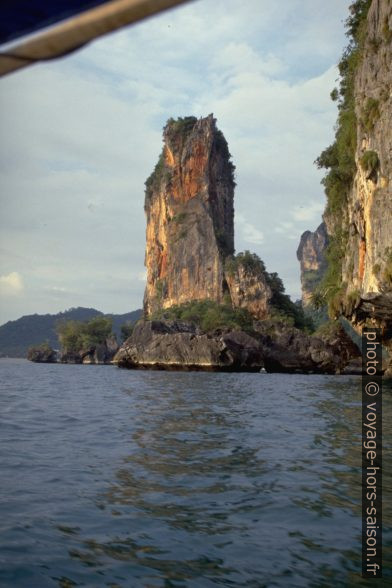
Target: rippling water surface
column 159, row 479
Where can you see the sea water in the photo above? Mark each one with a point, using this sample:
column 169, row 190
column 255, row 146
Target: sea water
column 120, row 478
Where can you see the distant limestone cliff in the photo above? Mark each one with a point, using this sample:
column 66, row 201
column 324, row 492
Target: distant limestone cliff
column 357, row 281
column 311, row 255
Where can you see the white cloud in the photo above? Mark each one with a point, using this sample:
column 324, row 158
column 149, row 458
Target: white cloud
column 309, row 211
column 239, row 58
column 11, row 284
column 58, row 289
column 249, row 233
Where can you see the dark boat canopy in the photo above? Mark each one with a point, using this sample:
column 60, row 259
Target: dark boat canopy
column 22, row 17
column 57, row 27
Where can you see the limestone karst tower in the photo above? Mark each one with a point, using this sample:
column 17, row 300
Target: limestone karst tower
column 190, row 215
column 190, row 225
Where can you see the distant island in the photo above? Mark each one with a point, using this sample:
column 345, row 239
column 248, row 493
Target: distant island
column 16, row 337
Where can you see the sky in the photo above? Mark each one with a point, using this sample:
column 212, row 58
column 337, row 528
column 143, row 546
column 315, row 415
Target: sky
column 80, row 135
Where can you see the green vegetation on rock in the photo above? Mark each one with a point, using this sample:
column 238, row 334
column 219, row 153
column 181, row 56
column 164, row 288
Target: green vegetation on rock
column 154, row 180
column 208, row 315
column 17, row 336
column 44, row 349
column 75, row 335
column 127, row 330
column 370, row 161
column 339, row 159
column 329, row 329
column 318, row 316
column 251, row 262
column 181, row 127
column 352, row 300
column 370, row 113
column 283, row 309
column 311, row 278
column 387, row 274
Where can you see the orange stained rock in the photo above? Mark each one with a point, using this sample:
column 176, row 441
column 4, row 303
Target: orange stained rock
column 163, row 265
column 169, row 157
column 362, row 253
column 185, row 278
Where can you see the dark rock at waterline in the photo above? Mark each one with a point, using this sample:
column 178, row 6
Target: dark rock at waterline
column 353, row 368
column 179, row 345
column 43, row 354
column 102, row 353
column 287, row 349
column 96, row 354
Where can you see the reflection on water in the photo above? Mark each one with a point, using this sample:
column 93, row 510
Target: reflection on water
column 199, row 480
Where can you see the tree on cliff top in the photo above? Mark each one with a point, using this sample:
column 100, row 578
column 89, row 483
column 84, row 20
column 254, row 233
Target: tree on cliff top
column 181, row 126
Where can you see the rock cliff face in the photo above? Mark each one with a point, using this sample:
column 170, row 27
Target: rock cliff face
column 249, row 288
column 311, row 255
column 367, row 265
column 190, row 212
column 358, row 215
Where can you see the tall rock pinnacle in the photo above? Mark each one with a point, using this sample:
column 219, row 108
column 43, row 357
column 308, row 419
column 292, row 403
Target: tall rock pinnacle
column 311, row 255
column 190, row 215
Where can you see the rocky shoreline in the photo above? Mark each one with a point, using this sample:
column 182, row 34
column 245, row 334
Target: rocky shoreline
column 101, row 354
column 177, row 345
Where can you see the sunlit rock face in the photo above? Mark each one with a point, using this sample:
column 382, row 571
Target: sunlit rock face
column 369, row 255
column 249, row 289
column 190, row 215
column 311, row 255
column 367, row 265
column 362, row 223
